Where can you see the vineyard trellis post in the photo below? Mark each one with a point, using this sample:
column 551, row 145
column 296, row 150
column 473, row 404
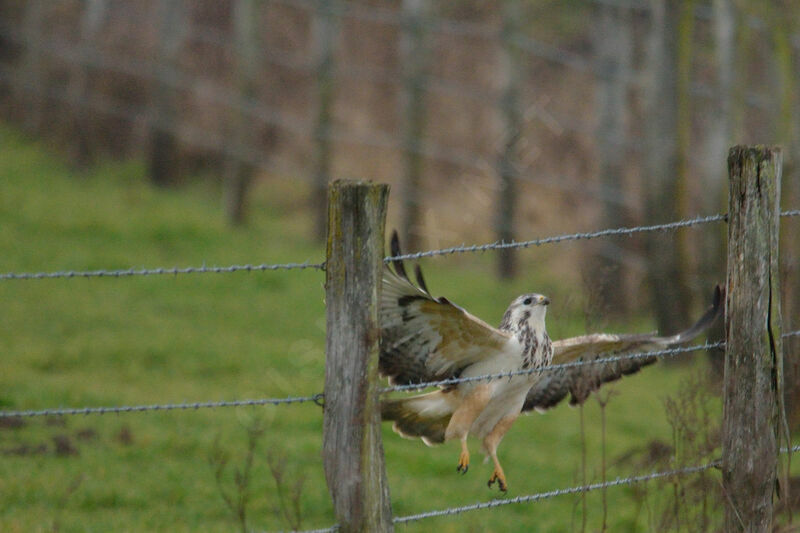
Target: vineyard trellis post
column 352, row 448
column 753, row 355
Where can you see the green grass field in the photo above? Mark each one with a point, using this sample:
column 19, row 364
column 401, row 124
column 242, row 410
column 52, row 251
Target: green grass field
column 160, row 339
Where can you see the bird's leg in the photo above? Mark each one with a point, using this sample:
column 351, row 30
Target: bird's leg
column 463, row 459
column 490, row 444
column 458, row 428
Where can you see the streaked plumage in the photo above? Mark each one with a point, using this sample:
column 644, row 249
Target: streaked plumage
column 427, row 339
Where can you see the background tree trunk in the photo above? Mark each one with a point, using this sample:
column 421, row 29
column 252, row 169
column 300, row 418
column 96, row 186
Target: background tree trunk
column 31, row 76
column 509, row 72
column 663, row 193
column 414, row 53
column 613, row 44
column 163, row 155
column 238, row 169
column 720, row 137
column 94, row 14
column 323, row 34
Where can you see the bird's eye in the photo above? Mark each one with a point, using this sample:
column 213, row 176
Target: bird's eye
column 527, row 301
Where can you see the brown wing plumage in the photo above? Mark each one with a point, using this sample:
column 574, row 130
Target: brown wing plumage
column 425, row 338
column 581, row 381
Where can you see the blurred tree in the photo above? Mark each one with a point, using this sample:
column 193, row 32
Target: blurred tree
column 92, row 18
column 781, row 15
column 666, row 138
column 718, row 141
column 163, row 157
column 613, row 44
column 509, row 73
column 324, row 30
column 238, row 167
column 30, row 77
column 415, row 56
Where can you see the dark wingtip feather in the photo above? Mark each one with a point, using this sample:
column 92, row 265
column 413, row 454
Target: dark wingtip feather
column 398, row 264
column 420, row 279
column 719, row 295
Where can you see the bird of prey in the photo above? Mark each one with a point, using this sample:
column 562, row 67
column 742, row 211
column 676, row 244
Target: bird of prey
column 426, row 339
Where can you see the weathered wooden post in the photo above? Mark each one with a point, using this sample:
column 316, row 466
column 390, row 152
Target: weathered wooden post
column 352, row 449
column 753, row 356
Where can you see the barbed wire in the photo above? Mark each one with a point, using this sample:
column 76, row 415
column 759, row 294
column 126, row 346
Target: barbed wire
column 558, row 492
column 668, row 352
column 159, row 271
column 500, row 245
column 475, row 248
column 187, row 406
column 660, row 354
column 319, row 398
column 530, row 498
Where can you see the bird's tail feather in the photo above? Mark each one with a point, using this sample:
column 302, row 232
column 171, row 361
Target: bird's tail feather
column 425, row 416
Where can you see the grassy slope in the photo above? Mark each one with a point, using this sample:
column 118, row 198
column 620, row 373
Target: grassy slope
column 206, row 337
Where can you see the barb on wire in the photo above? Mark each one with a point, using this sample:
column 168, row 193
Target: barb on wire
column 559, row 492
column 159, row 271
column 500, row 245
column 161, row 407
column 554, row 368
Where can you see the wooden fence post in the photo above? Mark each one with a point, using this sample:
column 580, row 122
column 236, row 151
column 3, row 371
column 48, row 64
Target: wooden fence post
column 352, row 449
column 753, row 359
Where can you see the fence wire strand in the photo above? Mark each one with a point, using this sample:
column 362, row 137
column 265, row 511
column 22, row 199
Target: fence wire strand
column 500, row 245
column 159, row 271
column 530, row 498
column 475, row 248
column 317, row 398
column 556, row 367
column 558, row 492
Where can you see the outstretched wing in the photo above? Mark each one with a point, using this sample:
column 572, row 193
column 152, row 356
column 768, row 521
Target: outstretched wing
column 581, row 381
column 425, row 338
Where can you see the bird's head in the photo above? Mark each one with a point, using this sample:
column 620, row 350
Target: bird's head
column 528, row 308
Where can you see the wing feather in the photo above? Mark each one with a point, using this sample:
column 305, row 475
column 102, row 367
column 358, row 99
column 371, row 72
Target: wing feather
column 581, row 381
column 425, row 338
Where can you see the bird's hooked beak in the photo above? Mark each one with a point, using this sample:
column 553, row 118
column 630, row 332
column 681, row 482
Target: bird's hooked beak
column 544, row 300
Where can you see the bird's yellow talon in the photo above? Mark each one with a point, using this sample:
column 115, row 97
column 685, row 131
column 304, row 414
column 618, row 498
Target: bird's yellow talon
column 500, row 478
column 463, row 462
